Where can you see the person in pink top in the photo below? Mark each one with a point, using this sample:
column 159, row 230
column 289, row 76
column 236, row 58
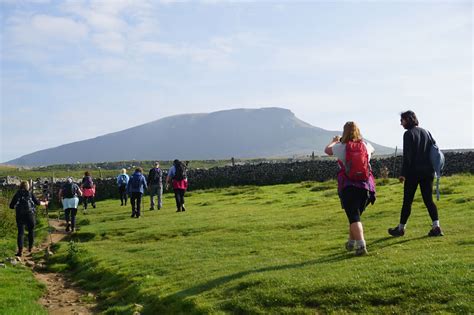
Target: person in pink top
column 179, row 181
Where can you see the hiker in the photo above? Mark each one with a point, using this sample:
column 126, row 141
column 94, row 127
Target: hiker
column 69, row 197
column 88, row 190
column 417, row 169
column 136, row 188
column 122, row 181
column 24, row 204
column 155, row 186
column 179, row 181
column 356, row 184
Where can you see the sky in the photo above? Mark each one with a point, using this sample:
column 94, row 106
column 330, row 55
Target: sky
column 74, row 70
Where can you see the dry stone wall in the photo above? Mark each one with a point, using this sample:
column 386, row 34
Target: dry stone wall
column 276, row 173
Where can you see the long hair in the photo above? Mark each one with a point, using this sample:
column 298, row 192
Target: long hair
column 87, row 173
column 410, row 119
column 351, row 132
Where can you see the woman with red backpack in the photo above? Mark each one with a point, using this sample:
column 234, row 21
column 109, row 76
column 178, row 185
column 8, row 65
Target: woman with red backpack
column 88, row 190
column 356, row 184
column 179, row 180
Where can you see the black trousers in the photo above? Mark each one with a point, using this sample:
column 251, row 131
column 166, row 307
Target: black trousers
column 409, row 189
column 123, row 194
column 354, row 201
column 70, row 215
column 179, row 197
column 88, row 199
column 27, row 220
column 136, row 201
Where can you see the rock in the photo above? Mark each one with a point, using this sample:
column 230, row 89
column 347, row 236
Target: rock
column 14, row 262
column 18, row 258
column 30, row 264
column 2, row 265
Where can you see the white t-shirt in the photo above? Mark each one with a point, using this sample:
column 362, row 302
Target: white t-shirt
column 339, row 151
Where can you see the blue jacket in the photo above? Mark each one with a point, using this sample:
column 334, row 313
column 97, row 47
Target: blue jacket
column 137, row 183
column 122, row 179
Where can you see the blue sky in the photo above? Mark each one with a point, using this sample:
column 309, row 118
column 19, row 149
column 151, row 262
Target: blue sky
column 73, row 70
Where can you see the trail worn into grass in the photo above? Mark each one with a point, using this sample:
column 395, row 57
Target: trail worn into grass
column 62, row 296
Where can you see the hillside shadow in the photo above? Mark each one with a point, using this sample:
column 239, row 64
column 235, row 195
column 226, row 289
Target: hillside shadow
column 183, row 294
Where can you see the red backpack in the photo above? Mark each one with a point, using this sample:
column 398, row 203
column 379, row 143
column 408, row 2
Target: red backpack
column 357, row 161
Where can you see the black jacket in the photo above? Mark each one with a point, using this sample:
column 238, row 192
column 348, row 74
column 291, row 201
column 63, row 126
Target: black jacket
column 416, row 153
column 21, row 193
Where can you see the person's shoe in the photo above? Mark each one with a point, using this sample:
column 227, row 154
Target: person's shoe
column 68, row 228
column 179, row 210
column 30, row 249
column 396, row 231
column 121, row 204
column 133, row 215
column 436, row 231
column 361, row 251
column 18, row 253
column 183, row 208
column 350, row 246
column 152, row 208
column 93, row 206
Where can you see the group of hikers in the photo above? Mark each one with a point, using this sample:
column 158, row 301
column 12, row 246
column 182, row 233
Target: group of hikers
column 356, row 185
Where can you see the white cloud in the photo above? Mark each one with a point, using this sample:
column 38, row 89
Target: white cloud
column 111, row 42
column 26, row 30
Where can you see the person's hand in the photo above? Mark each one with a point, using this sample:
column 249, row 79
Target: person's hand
column 336, row 139
column 167, row 186
column 401, row 179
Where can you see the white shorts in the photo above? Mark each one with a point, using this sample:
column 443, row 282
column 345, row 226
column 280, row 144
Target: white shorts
column 70, row 203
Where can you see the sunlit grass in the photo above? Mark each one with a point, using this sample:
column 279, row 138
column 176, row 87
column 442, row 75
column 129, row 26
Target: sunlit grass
column 277, row 249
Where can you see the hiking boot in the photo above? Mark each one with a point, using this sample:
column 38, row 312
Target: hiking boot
column 361, row 251
column 396, row 232
column 436, row 231
column 350, row 246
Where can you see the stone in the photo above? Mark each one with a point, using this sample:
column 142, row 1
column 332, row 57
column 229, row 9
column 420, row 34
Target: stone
column 2, row 265
column 30, row 264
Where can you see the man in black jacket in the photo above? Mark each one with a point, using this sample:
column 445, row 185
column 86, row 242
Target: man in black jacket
column 416, row 170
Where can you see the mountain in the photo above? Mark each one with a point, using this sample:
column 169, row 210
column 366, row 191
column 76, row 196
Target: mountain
column 239, row 133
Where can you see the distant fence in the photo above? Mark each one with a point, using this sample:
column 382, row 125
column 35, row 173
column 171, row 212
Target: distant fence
column 260, row 174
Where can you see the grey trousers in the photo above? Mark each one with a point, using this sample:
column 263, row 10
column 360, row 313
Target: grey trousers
column 156, row 190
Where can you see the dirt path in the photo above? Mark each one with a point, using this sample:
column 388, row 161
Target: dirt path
column 62, row 296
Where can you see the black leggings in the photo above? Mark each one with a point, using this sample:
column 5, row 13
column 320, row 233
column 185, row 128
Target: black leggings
column 179, row 196
column 136, row 200
column 123, row 194
column 409, row 189
column 89, row 199
column 354, row 201
column 29, row 221
column 70, row 215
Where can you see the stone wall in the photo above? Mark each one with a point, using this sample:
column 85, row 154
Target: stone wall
column 277, row 173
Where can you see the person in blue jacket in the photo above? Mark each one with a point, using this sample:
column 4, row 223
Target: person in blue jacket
column 136, row 187
column 122, row 181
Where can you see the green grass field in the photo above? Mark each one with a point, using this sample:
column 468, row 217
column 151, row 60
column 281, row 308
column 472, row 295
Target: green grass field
column 276, row 249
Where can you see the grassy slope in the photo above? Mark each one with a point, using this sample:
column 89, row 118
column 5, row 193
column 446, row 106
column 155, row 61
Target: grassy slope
column 19, row 291
column 277, row 249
